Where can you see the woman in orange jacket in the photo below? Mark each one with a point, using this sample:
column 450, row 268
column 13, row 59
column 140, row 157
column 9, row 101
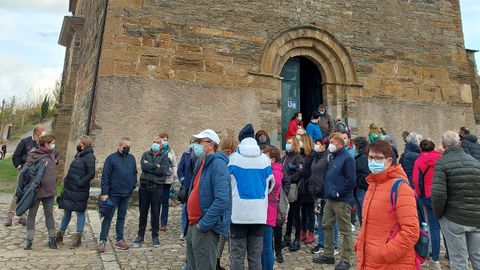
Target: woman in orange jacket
column 377, row 246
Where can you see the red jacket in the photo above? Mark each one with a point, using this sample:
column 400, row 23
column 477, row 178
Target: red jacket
column 373, row 247
column 425, row 160
column 292, row 128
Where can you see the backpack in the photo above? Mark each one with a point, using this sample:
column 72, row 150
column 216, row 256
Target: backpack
column 421, row 181
column 422, row 247
column 282, row 209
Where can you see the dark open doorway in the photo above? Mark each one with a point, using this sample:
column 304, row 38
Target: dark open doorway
column 301, row 90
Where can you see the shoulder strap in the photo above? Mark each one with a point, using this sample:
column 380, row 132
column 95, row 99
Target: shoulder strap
column 394, row 192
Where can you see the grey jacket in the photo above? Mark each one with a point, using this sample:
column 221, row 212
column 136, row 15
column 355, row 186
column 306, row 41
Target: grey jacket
column 455, row 188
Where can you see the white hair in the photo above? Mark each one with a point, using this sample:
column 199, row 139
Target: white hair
column 450, row 139
column 414, row 138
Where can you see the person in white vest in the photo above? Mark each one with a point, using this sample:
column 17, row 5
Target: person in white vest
column 251, row 180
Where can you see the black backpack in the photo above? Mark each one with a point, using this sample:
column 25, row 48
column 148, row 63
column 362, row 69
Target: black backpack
column 421, row 180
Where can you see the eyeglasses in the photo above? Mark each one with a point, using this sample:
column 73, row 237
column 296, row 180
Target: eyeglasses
column 376, row 158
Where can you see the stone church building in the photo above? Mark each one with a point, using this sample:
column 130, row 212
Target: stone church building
column 141, row 67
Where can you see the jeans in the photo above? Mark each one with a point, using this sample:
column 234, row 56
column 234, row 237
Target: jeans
column 47, row 204
column 294, row 217
column 434, row 225
column 201, row 249
column 183, row 224
column 338, row 211
column 149, row 198
column 267, row 253
column 359, row 198
column 308, row 217
column 278, row 240
column 320, row 232
column 67, row 215
column 246, row 238
column 463, row 244
column 122, row 204
column 165, row 202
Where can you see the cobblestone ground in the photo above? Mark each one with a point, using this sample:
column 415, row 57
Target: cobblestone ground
column 170, row 255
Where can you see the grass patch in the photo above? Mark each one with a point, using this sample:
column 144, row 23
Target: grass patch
column 8, row 173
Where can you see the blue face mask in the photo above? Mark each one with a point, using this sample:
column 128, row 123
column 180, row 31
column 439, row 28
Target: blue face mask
column 197, row 149
column 376, row 167
column 288, row 147
column 155, row 147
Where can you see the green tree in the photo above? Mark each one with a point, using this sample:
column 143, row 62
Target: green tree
column 45, row 108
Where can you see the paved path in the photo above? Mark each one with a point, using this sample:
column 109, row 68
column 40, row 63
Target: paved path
column 170, row 255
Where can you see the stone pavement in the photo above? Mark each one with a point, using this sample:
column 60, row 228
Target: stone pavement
column 170, row 255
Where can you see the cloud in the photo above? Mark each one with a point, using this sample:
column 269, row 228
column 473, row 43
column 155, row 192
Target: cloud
column 48, row 6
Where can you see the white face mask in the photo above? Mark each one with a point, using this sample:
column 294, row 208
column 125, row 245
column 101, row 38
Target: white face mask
column 332, row 148
column 316, row 148
column 52, row 146
column 43, row 133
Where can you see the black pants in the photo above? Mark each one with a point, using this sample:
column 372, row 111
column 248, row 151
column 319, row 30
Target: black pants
column 149, row 198
column 294, row 218
column 308, row 217
column 277, row 240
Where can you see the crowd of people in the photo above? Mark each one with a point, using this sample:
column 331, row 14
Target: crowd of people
column 244, row 191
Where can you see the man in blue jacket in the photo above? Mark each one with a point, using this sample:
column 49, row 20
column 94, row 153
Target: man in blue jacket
column 340, row 181
column 209, row 204
column 119, row 178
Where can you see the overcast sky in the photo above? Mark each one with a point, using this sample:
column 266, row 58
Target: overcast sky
column 30, row 57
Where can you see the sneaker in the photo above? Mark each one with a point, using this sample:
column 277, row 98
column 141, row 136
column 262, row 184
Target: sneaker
column 155, row 242
column 52, row 242
column 295, row 245
column 102, row 247
column 324, row 260
column 335, row 252
column 287, row 241
column 342, row 265
column 121, row 245
column 279, row 258
column 353, row 227
column 435, row 265
column 182, row 237
column 317, row 249
column 28, row 245
column 137, row 242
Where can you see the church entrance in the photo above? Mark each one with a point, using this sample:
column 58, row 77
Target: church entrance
column 301, row 91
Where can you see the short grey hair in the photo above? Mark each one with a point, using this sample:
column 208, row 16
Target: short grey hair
column 388, row 139
column 414, row 138
column 450, row 139
column 122, row 139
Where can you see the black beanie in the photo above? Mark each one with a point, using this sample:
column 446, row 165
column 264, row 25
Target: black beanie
column 246, row 132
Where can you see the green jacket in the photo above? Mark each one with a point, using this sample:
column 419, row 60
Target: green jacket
column 456, row 188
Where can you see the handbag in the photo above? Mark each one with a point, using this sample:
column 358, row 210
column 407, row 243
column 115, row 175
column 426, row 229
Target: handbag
column 183, row 194
column 293, row 193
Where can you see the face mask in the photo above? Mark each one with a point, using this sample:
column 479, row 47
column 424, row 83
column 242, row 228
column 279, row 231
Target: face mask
column 297, row 137
column 262, row 139
column 79, row 148
column 44, row 133
column 301, row 144
column 322, row 113
column 197, row 149
column 125, row 150
column 376, row 167
column 52, row 146
column 315, row 121
column 346, row 141
column 155, row 147
column 288, row 147
column 316, row 148
column 332, row 148
column 299, row 118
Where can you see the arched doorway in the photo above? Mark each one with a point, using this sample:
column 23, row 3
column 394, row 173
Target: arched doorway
column 301, row 90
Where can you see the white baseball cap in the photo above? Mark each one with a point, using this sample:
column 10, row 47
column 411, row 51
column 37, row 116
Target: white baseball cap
column 208, row 133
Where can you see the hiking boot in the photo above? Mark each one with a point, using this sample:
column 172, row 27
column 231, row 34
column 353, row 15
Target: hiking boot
column 310, row 238
column 342, row 265
column 28, row 245
column 76, row 239
column 324, row 260
column 9, row 220
column 102, row 247
column 155, row 242
column 303, row 235
column 59, row 236
column 52, row 242
column 22, row 221
column 121, row 245
column 137, row 242
column 317, row 249
column 279, row 258
column 287, row 241
column 295, row 245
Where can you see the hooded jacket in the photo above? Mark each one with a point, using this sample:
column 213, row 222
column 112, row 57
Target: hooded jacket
column 214, row 194
column 340, row 179
column 273, row 196
column 313, row 130
column 409, row 156
column 48, row 184
column 292, row 128
column 425, row 161
column 470, row 146
column 251, row 181
column 262, row 144
column 76, row 186
column 374, row 248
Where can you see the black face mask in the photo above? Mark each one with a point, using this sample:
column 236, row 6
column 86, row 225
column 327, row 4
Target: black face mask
column 79, row 148
column 126, row 150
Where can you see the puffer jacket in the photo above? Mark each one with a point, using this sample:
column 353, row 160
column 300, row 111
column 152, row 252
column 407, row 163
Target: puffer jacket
column 48, row 184
column 426, row 160
column 318, row 169
column 409, row 156
column 292, row 128
column 455, row 188
column 76, row 187
column 470, row 146
column 373, row 247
